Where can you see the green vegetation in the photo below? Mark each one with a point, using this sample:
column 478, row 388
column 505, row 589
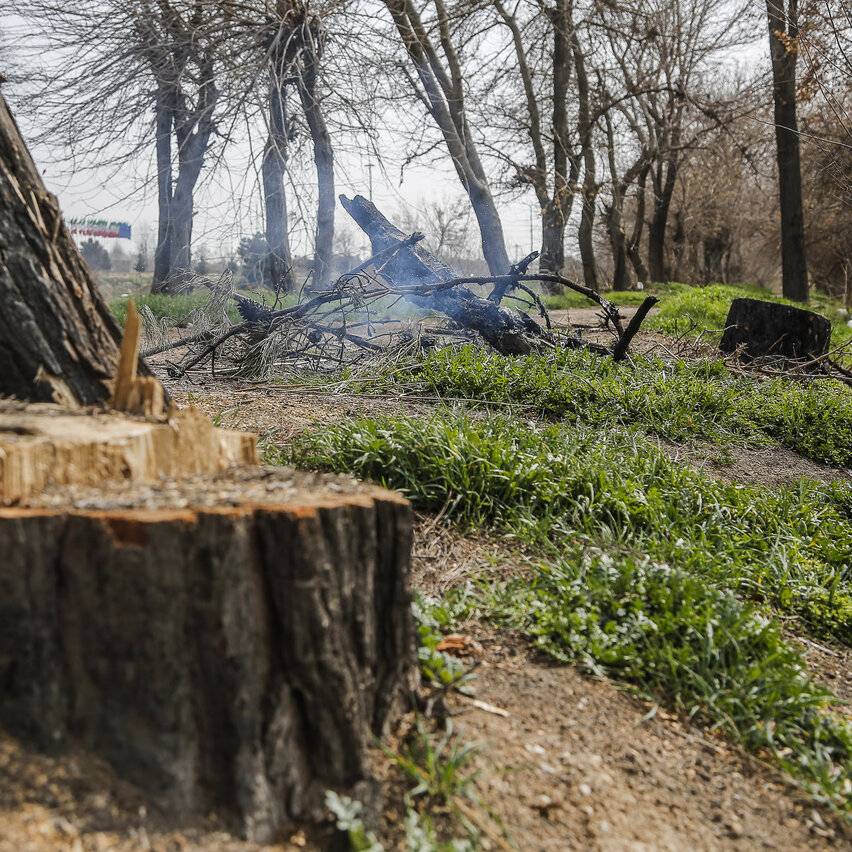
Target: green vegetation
column 677, row 401
column 695, row 647
column 789, row 547
column 612, row 512
column 177, row 308
column 571, row 299
column 702, row 310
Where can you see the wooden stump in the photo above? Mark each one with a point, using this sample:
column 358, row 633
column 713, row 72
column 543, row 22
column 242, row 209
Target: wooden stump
column 231, row 643
column 759, row 329
column 42, row 445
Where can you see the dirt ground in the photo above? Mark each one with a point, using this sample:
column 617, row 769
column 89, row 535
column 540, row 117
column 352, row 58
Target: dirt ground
column 577, row 764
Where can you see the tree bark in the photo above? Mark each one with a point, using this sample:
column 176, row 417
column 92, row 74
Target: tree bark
column 783, row 47
column 323, row 161
column 277, row 273
column 239, row 656
column 58, row 339
column 757, row 329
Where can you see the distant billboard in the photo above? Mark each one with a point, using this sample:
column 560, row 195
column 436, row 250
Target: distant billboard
column 99, row 228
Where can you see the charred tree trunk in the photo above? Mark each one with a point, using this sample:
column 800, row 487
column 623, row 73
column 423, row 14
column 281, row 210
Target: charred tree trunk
column 58, row 339
column 509, row 332
column 783, row 35
column 239, row 656
column 757, row 329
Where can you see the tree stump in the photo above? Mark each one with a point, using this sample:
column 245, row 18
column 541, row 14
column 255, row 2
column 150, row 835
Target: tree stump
column 43, row 445
column 230, row 643
column 758, row 329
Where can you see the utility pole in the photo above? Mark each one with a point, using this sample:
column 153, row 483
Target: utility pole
column 370, row 177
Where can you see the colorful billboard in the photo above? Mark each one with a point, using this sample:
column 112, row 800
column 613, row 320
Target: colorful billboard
column 99, row 228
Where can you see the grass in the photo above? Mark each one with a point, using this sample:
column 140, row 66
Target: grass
column 178, row 308
column 704, row 309
column 696, row 648
column 789, row 547
column 628, row 298
column 646, row 558
column 678, row 401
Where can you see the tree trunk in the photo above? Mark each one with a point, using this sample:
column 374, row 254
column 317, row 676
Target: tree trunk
column 664, row 186
column 58, row 339
column 324, row 163
column 586, row 235
column 164, row 119
column 618, row 244
column 783, row 35
column 192, row 131
column 278, row 269
column 757, row 329
column 634, row 246
column 235, row 648
column 552, row 257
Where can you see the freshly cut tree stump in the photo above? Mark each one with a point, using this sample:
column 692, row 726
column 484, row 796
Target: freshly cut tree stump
column 230, row 644
column 759, row 329
column 43, row 445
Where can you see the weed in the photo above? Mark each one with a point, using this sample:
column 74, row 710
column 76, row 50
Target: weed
column 438, row 669
column 178, row 308
column 675, row 401
column 613, row 513
column 696, row 647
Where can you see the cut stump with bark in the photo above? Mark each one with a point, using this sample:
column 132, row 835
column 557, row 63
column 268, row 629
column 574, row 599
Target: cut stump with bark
column 230, row 644
column 759, row 329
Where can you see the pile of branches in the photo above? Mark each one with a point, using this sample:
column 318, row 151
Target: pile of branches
column 358, row 317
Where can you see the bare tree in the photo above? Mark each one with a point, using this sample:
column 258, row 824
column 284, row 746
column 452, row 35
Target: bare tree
column 120, row 63
column 440, row 86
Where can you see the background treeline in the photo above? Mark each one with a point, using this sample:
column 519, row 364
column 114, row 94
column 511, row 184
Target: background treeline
column 648, row 134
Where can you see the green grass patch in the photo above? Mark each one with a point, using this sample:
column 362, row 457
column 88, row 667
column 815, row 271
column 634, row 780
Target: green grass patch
column 177, row 308
column 677, row 401
column 628, row 298
column 789, row 547
column 695, row 647
column 648, row 559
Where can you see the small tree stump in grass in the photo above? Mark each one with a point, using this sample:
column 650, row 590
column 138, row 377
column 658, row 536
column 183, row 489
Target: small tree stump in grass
column 759, row 329
column 231, row 643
